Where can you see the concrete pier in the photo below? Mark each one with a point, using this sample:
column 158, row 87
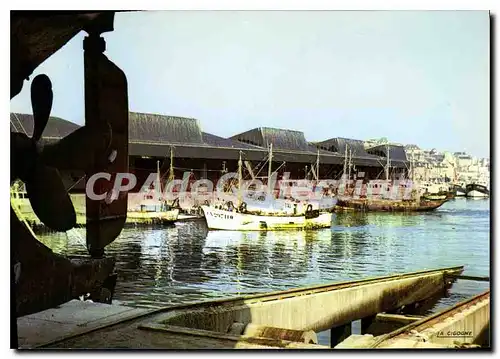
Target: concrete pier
column 68, row 320
column 463, row 325
column 316, row 308
column 284, row 314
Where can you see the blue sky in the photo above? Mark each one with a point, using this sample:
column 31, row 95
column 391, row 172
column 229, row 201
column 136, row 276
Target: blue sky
column 417, row 77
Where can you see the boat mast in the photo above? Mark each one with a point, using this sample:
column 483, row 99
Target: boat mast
column 269, row 168
column 158, row 178
column 412, row 168
column 349, row 166
column 387, row 164
column 240, row 177
column 345, row 161
column 171, row 169
column 317, row 167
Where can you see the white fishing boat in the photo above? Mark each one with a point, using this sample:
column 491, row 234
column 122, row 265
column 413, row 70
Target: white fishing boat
column 233, row 219
column 265, row 204
column 475, row 190
column 458, row 190
column 291, row 199
column 284, row 216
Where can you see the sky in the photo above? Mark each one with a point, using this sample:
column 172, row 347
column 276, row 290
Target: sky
column 419, row 77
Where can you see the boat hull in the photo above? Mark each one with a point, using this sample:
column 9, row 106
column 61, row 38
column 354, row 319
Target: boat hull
column 324, row 220
column 221, row 219
column 477, row 191
column 477, row 194
column 158, row 218
column 235, row 221
column 435, row 197
column 363, row 205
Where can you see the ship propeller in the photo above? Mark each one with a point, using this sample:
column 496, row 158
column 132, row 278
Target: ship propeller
column 38, row 165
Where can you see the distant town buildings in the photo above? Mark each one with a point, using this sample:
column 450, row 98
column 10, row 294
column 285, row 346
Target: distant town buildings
column 438, row 166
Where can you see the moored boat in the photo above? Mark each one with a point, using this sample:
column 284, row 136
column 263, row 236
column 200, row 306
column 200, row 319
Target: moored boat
column 321, row 220
column 435, row 196
column 477, row 191
column 153, row 214
column 388, row 201
column 381, row 205
column 265, row 213
column 238, row 219
column 145, row 208
column 459, row 191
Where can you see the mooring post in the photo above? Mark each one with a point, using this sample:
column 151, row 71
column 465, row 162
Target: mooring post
column 339, row 334
column 366, row 323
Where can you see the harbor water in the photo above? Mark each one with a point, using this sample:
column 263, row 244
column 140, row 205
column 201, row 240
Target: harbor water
column 186, row 262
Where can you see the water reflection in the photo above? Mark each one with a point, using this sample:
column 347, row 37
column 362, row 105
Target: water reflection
column 277, row 256
column 187, row 262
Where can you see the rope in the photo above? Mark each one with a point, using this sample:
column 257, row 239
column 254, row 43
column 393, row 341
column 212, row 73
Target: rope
column 74, row 184
column 20, row 124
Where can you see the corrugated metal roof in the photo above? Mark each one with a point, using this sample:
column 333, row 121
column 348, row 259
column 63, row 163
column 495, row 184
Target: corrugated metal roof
column 284, row 139
column 281, row 139
column 253, row 154
column 148, row 127
column 313, row 148
column 186, row 151
column 339, row 145
column 153, row 135
column 396, row 152
column 213, row 140
column 412, row 147
column 56, row 127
